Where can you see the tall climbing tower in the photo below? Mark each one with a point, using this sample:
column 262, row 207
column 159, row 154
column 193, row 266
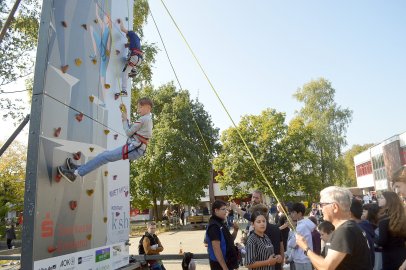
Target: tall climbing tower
column 75, row 114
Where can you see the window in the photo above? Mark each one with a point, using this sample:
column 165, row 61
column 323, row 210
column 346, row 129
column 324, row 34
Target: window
column 364, row 169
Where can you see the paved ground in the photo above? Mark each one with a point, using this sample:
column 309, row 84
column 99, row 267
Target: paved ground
column 192, row 241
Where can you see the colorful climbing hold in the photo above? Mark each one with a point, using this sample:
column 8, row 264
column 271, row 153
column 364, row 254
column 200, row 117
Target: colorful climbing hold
column 106, row 173
column 94, row 61
column 91, row 98
column 117, row 52
column 64, row 24
column 114, row 177
column 107, row 86
column 115, row 136
column 51, row 249
column 84, row 26
column 91, row 149
column 58, row 177
column 106, row 131
column 116, row 96
column 96, row 21
column 64, row 68
column 105, row 219
column 89, row 192
column 73, row 205
column 123, row 108
column 79, row 117
column 57, row 131
column 89, row 237
column 78, row 62
column 77, row 155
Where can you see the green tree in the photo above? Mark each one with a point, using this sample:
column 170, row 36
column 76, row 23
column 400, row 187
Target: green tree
column 329, row 123
column 280, row 150
column 12, row 176
column 17, row 51
column 350, row 179
column 177, row 165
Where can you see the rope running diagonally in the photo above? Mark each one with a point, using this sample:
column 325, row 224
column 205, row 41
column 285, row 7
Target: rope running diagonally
column 180, row 86
column 226, row 110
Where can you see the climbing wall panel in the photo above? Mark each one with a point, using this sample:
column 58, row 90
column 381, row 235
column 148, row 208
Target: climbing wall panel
column 84, row 224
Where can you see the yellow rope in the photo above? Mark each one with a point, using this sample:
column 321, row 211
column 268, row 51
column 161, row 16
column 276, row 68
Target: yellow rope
column 225, row 109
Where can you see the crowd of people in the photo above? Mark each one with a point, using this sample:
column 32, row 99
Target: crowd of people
column 339, row 232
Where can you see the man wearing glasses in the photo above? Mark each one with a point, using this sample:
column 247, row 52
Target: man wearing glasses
column 348, row 247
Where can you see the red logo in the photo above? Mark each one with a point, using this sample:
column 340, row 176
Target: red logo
column 47, row 226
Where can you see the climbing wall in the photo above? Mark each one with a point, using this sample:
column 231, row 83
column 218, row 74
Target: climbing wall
column 84, row 224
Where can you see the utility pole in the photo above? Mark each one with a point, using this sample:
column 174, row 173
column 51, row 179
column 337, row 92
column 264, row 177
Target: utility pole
column 9, row 19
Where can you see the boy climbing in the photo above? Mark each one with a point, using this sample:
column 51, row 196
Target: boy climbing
column 138, row 134
column 134, row 58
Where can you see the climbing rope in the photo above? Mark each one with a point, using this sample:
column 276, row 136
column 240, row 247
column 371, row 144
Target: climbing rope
column 180, row 86
column 226, row 110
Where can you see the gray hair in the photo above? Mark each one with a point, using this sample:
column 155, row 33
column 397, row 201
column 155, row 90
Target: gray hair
column 339, row 195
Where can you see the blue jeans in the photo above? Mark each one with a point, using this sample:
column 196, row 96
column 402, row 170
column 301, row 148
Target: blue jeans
column 109, row 156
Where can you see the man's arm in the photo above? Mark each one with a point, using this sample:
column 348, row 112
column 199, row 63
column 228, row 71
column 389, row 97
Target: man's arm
column 160, row 247
column 147, row 247
column 219, row 254
column 235, row 231
column 333, row 259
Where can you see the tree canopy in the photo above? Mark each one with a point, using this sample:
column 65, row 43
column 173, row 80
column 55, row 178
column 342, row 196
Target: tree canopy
column 176, row 167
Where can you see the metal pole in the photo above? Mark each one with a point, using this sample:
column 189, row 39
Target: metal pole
column 9, row 19
column 14, row 135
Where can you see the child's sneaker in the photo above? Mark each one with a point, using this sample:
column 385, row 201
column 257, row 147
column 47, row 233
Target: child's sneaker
column 123, row 93
column 67, row 174
column 132, row 73
column 70, row 165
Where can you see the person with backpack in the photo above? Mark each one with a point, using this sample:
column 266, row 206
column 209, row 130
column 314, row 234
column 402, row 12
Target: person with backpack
column 151, row 245
column 223, row 254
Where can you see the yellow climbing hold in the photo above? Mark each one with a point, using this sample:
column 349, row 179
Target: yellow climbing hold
column 78, row 62
column 91, row 98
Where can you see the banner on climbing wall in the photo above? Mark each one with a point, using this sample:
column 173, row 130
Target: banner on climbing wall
column 81, row 54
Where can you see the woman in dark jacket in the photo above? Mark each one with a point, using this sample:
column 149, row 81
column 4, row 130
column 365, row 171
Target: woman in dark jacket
column 392, row 230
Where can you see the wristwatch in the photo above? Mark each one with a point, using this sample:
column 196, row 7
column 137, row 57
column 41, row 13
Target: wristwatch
column 306, row 250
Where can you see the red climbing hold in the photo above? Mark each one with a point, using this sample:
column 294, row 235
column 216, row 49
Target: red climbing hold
column 73, row 205
column 58, row 177
column 79, row 116
column 51, row 249
column 64, row 68
column 57, row 131
column 77, row 155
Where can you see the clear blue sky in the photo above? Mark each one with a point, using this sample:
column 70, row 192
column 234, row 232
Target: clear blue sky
column 258, row 53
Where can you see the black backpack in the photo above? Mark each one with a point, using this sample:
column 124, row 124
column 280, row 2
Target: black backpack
column 152, row 240
column 187, row 257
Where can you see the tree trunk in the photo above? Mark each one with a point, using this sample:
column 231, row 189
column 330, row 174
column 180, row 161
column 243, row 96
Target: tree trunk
column 155, row 209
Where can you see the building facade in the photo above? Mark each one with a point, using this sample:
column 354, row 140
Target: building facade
column 375, row 166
